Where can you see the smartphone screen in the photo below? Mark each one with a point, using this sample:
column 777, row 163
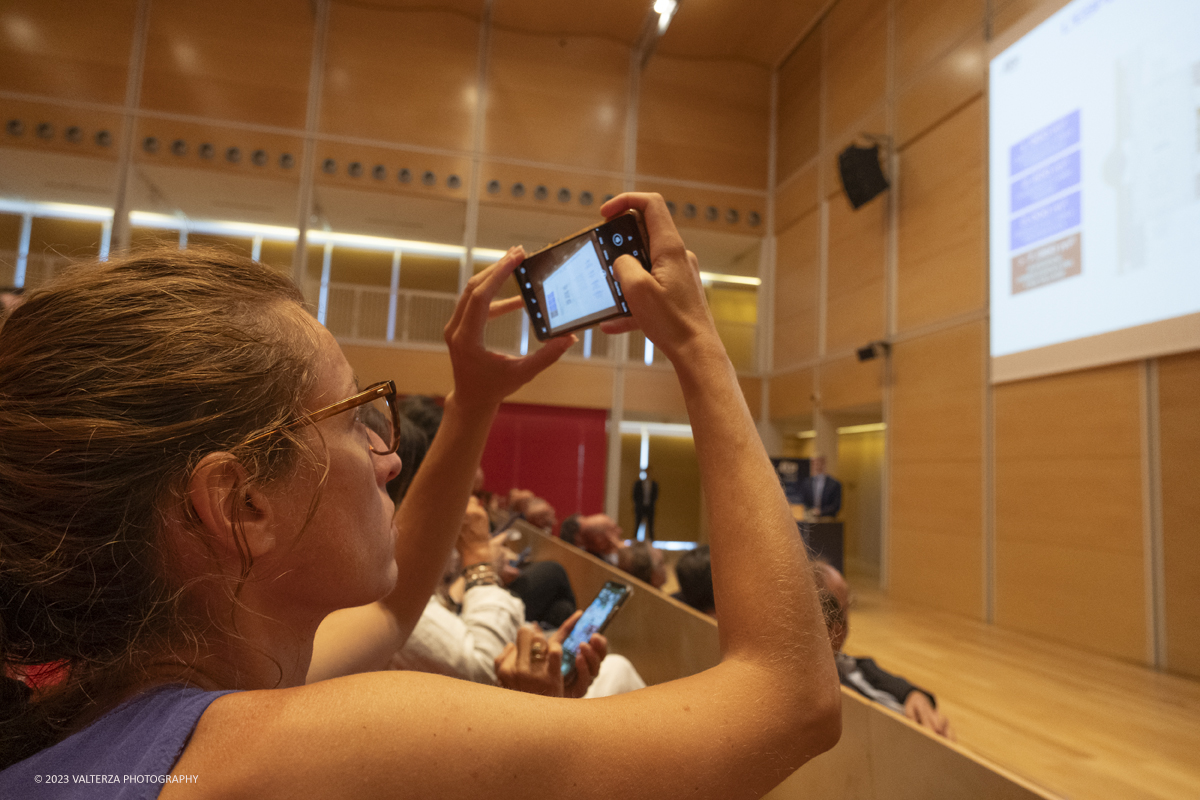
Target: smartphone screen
column 570, row 284
column 594, row 620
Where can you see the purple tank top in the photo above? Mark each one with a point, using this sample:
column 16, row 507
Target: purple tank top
column 127, row 754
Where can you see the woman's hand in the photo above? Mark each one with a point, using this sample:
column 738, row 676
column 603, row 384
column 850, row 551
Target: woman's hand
column 668, row 302
column 482, row 379
column 533, row 663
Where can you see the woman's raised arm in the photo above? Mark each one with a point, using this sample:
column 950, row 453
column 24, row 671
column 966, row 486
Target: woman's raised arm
column 428, row 519
column 735, row 730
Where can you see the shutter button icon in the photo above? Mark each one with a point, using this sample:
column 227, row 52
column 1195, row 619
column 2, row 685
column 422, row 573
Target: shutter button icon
column 618, row 239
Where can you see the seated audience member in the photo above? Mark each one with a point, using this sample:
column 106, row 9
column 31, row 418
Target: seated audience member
column 694, row 573
column 194, row 521
column 414, row 443
column 424, row 412
column 533, row 509
column 862, row 674
column 643, row 561
column 470, row 639
column 598, row 534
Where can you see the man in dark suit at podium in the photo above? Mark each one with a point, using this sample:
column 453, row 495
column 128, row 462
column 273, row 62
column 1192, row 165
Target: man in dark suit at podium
column 645, row 495
column 821, row 494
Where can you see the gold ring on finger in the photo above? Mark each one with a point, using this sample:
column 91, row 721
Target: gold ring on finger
column 537, row 651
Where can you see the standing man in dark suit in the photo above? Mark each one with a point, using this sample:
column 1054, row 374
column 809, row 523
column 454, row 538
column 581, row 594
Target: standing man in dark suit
column 821, row 494
column 645, row 495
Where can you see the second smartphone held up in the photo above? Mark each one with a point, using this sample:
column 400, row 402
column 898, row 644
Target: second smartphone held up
column 571, row 285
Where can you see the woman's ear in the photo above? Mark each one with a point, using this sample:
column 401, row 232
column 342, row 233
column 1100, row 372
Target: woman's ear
column 220, row 492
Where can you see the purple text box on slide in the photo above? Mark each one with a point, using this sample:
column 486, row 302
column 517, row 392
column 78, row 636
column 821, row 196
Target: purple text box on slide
column 1043, row 143
column 1046, row 221
column 1046, row 181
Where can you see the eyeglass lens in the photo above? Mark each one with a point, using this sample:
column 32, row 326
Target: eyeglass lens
column 377, row 416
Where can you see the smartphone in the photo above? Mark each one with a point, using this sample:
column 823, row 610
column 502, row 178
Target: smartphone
column 522, row 559
column 594, row 620
column 570, row 284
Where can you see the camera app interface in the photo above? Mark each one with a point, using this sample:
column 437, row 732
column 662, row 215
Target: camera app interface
column 578, row 287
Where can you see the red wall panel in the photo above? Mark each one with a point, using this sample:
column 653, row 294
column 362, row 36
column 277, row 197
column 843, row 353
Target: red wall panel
column 557, row 453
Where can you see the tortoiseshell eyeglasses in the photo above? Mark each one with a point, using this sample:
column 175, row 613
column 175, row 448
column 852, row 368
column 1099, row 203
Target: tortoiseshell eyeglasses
column 376, row 409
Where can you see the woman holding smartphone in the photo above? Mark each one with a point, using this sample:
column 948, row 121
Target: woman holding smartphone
column 187, row 490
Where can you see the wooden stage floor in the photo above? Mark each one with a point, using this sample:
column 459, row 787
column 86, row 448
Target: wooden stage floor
column 1079, row 724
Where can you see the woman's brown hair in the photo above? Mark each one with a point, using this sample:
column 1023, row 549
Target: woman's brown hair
column 115, row 381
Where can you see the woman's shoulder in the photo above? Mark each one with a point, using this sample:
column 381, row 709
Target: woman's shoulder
column 127, row 753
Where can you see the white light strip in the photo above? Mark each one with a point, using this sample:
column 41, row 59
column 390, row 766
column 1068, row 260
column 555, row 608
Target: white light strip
column 716, row 277
column 660, row 545
column 485, row 254
column 381, row 243
column 657, row 429
column 56, row 210
column 869, row 428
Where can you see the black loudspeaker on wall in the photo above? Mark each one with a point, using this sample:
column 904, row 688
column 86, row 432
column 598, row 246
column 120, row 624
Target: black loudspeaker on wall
column 862, row 177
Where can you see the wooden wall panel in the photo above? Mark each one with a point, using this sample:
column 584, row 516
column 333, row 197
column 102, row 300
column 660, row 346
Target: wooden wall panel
column 230, row 60
column 942, row 271
column 67, row 49
column 711, row 207
column 938, row 91
column 570, row 383
column 1009, row 13
column 797, row 292
column 704, row 121
column 1068, row 498
column 797, row 197
column 855, row 62
column 1179, row 434
column 925, row 29
column 792, row 394
column 414, row 371
column 848, row 383
column 855, row 274
column 401, row 76
column 557, row 99
column 655, row 392
column 935, row 551
column 798, row 133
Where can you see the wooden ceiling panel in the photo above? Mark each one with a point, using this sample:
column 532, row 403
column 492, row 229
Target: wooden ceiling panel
column 401, row 76
column 230, row 60
column 66, row 49
column 615, row 19
column 762, row 32
column 557, row 100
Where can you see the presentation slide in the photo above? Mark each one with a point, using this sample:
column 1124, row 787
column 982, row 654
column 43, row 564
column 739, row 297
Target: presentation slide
column 1094, row 168
column 578, row 288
